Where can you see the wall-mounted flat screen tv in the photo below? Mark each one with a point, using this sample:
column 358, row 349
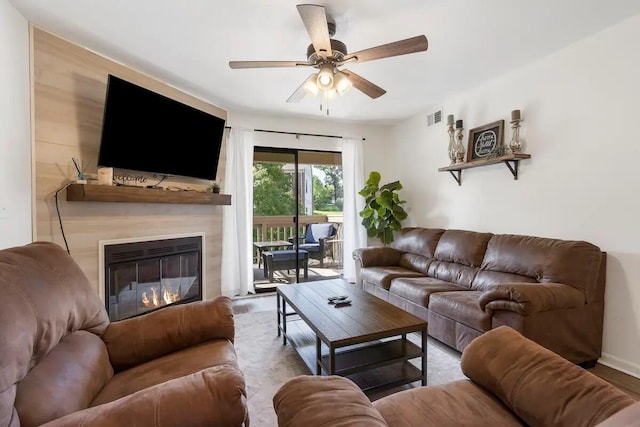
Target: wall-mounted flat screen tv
column 148, row 132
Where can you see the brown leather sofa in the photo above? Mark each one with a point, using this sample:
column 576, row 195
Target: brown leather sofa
column 465, row 283
column 512, row 381
column 62, row 363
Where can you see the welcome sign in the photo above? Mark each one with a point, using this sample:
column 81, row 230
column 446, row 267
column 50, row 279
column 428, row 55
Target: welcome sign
column 483, row 139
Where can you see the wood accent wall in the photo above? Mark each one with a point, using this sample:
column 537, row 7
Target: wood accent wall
column 69, row 88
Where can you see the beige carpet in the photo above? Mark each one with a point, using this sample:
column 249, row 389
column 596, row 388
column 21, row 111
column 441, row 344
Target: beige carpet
column 267, row 364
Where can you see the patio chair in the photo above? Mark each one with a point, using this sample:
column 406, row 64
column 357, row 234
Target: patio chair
column 315, row 236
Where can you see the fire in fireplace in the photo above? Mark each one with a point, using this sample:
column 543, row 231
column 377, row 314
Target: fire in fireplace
column 145, row 276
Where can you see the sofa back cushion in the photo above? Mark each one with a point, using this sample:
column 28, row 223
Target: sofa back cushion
column 541, row 260
column 419, row 241
column 45, row 296
column 458, row 256
column 418, row 246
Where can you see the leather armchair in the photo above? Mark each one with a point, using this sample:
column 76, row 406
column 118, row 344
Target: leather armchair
column 512, row 381
column 63, row 363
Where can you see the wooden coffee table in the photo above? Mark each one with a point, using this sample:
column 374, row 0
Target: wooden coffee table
column 366, row 341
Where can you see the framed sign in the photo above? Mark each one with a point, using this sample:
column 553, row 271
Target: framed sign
column 483, row 139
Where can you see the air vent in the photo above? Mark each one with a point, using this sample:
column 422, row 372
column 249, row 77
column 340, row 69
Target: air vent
column 160, row 251
column 434, row 118
column 121, row 256
column 187, row 247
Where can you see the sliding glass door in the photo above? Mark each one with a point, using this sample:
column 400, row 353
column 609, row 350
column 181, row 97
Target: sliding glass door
column 297, row 222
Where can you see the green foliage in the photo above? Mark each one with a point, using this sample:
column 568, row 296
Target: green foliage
column 321, row 194
column 333, row 179
column 383, row 211
column 272, row 190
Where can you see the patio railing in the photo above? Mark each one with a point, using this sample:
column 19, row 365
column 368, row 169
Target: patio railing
column 282, row 227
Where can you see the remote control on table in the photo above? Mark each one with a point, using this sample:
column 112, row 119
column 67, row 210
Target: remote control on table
column 333, row 300
column 343, row 303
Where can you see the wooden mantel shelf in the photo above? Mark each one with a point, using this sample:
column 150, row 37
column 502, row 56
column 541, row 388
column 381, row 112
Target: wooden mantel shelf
column 124, row 194
column 507, row 159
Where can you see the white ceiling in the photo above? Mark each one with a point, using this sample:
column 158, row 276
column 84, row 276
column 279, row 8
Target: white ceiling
column 189, row 43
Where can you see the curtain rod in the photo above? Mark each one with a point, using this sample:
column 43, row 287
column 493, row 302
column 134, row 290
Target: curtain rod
column 296, row 133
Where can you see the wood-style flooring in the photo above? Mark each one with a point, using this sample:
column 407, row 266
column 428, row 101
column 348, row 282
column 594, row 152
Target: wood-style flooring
column 627, row 383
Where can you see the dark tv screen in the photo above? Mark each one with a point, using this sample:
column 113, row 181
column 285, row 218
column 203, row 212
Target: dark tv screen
column 148, row 132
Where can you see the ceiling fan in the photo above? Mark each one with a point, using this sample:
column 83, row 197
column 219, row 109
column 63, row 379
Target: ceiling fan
column 327, row 55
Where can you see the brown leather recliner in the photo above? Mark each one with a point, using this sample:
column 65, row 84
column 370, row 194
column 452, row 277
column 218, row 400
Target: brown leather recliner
column 512, row 381
column 63, row 363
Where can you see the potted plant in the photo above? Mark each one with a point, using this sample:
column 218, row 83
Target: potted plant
column 383, row 212
column 214, row 187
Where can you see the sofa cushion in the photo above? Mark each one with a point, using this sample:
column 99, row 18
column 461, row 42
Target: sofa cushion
column 415, row 262
column 193, row 359
column 463, row 307
column 462, row 247
column 314, row 232
column 421, row 241
column 575, row 263
column 486, row 279
column 418, row 289
column 458, row 403
column 65, row 381
column 382, row 276
column 215, row 396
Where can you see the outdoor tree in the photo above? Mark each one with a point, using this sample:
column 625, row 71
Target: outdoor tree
column 272, row 190
column 321, row 194
column 333, row 177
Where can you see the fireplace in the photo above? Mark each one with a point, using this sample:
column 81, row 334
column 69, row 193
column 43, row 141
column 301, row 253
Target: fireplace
column 144, row 276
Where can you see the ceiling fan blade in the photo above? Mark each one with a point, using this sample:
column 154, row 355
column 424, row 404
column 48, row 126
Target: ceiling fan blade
column 267, row 64
column 364, row 85
column 315, row 21
column 299, row 93
column 401, row 47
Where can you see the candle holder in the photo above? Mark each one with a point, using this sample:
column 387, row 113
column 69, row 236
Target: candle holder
column 459, row 147
column 515, row 145
column 452, row 144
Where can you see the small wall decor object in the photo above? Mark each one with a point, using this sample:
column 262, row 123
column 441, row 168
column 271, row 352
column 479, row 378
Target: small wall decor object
column 214, row 188
column 515, row 145
column 80, row 168
column 484, row 139
column 459, row 151
column 452, row 140
column 105, row 176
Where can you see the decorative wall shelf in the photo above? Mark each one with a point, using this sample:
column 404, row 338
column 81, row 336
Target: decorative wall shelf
column 124, row 194
column 511, row 160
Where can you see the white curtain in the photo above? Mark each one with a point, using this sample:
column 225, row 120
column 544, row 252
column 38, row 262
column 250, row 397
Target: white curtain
column 354, row 235
column 237, row 219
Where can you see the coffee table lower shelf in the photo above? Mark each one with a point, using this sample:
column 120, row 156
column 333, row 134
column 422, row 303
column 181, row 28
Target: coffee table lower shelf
column 373, row 366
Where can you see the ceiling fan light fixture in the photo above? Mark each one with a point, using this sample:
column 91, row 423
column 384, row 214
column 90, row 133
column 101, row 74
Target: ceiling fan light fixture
column 325, row 77
column 341, row 83
column 331, row 93
column 311, row 85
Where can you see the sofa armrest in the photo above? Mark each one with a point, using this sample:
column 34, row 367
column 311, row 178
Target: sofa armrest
column 377, row 255
column 527, row 298
column 133, row 341
column 214, row 396
column 311, row 401
column 541, row 387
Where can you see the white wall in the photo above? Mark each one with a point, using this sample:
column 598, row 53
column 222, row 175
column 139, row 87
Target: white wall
column 581, row 109
column 376, row 137
column 15, row 139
